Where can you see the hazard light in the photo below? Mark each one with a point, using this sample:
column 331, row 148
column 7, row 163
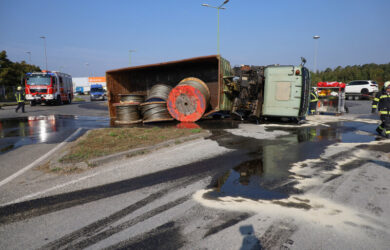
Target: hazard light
column 297, row 72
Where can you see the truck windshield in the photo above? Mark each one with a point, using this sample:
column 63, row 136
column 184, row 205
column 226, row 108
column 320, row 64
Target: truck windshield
column 96, row 90
column 38, row 80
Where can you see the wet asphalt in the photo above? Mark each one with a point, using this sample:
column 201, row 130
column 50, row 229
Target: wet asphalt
column 255, row 169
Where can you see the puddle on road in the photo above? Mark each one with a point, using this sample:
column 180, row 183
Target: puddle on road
column 16, row 132
column 266, row 176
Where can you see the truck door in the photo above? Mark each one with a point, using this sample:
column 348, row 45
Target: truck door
column 283, row 90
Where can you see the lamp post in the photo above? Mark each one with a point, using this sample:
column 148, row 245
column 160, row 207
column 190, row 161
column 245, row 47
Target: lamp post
column 87, row 64
column 315, row 52
column 130, row 51
column 29, row 56
column 44, row 42
column 218, row 8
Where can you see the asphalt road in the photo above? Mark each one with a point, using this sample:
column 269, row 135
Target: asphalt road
column 321, row 185
column 25, row 137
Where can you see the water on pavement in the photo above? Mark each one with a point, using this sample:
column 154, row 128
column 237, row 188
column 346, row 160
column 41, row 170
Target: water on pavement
column 16, row 132
column 266, row 175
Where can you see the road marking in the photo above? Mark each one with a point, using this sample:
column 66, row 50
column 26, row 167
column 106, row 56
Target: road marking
column 116, row 167
column 27, row 197
column 31, row 165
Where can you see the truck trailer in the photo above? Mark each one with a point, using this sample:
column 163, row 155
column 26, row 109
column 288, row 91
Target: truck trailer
column 204, row 86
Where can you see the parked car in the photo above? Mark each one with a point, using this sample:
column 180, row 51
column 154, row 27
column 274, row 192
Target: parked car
column 361, row 89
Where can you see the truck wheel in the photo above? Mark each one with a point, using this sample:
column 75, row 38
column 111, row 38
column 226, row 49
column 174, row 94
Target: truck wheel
column 59, row 101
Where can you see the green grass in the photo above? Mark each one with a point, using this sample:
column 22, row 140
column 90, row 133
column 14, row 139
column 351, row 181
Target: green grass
column 78, row 99
column 101, row 142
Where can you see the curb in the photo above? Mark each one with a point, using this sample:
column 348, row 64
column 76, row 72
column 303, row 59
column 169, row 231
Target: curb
column 132, row 152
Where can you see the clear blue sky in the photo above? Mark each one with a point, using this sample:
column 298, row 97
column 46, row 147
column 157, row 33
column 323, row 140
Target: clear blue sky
column 257, row 32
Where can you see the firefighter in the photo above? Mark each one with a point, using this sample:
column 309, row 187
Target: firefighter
column 382, row 103
column 313, row 102
column 20, row 96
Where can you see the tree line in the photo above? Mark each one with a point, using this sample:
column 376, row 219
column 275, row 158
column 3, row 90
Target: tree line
column 11, row 75
column 377, row 72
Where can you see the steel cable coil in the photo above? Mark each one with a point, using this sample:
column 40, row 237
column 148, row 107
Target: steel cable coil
column 158, row 92
column 155, row 112
column 131, row 98
column 189, row 100
column 127, row 113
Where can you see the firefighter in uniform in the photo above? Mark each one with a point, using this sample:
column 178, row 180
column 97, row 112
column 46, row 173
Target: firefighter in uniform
column 313, row 102
column 382, row 103
column 20, row 96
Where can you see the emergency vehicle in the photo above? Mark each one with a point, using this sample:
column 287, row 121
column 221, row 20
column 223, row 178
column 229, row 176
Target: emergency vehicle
column 49, row 87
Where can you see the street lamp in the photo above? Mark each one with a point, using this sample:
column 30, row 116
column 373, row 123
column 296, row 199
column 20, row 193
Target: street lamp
column 44, row 42
column 29, row 56
column 315, row 52
column 130, row 51
column 218, row 8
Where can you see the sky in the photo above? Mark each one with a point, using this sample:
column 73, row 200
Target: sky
column 89, row 37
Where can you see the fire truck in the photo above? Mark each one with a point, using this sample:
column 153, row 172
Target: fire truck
column 49, row 87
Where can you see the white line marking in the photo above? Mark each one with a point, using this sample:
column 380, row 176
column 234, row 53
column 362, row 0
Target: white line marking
column 27, row 197
column 31, row 165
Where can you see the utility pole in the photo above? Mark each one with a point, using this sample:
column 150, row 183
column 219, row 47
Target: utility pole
column 44, row 42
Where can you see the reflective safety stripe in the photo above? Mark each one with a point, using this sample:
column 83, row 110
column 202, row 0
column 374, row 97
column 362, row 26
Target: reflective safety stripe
column 374, row 106
column 387, row 132
column 314, row 98
column 376, row 99
column 380, row 127
column 384, row 112
column 384, row 96
column 19, row 97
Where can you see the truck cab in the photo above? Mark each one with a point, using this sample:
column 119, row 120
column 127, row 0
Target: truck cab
column 80, row 90
column 97, row 92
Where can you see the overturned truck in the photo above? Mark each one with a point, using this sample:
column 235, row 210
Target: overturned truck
column 190, row 89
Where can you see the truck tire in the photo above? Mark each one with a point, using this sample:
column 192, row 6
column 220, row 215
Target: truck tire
column 59, row 101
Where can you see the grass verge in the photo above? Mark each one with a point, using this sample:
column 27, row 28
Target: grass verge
column 78, row 99
column 101, row 142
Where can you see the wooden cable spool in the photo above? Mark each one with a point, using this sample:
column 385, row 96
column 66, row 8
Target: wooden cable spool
column 127, row 113
column 155, row 112
column 131, row 98
column 158, row 92
column 188, row 101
